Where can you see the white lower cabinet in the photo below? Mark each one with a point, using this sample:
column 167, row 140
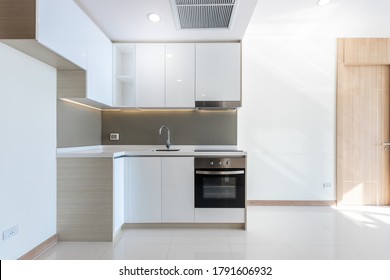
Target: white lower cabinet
column 159, row 189
column 177, row 189
column 220, row 215
column 143, row 190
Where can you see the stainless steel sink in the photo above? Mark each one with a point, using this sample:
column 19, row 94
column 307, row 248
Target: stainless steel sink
column 166, row 150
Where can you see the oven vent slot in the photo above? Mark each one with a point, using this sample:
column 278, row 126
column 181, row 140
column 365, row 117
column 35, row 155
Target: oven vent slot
column 204, row 14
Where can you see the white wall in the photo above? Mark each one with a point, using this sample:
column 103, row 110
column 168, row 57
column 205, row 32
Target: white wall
column 287, row 122
column 27, row 151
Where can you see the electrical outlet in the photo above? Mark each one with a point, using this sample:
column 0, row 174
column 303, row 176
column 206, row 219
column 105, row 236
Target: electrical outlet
column 114, row 136
column 327, row 185
column 8, row 233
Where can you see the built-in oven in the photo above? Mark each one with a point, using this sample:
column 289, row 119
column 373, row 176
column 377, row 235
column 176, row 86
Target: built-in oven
column 220, row 182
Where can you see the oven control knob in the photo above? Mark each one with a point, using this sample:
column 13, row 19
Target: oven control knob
column 211, row 162
column 227, row 162
column 220, row 162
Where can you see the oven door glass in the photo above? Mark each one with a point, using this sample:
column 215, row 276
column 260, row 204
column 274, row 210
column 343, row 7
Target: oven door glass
column 219, row 189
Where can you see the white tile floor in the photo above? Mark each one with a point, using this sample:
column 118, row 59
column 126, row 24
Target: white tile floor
column 287, row 233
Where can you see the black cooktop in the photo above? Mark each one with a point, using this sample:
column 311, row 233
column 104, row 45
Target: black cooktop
column 218, row 151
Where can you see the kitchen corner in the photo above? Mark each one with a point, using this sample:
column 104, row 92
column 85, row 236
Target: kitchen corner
column 145, row 185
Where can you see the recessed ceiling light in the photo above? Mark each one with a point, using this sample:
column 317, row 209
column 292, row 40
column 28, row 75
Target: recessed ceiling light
column 153, row 17
column 323, row 2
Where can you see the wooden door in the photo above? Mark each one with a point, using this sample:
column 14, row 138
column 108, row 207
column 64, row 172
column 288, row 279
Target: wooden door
column 362, row 127
column 367, row 51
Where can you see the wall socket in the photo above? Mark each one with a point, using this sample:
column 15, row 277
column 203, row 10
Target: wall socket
column 327, row 185
column 114, row 136
column 8, row 233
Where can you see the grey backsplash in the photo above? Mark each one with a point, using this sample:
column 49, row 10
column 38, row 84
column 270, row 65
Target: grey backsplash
column 77, row 125
column 186, row 127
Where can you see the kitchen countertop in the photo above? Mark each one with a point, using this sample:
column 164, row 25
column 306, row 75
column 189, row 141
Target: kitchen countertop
column 114, row 151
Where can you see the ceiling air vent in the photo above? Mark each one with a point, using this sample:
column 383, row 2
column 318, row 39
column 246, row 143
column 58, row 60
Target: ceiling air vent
column 203, row 14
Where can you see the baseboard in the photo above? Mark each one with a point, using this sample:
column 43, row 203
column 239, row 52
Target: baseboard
column 117, row 234
column 291, row 203
column 34, row 253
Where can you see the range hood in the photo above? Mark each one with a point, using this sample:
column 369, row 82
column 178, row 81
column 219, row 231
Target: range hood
column 217, row 105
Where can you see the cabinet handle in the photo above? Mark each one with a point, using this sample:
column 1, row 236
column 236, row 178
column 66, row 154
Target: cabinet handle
column 237, row 172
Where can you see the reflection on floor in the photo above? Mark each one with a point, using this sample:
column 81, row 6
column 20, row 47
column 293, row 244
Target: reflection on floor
column 287, row 233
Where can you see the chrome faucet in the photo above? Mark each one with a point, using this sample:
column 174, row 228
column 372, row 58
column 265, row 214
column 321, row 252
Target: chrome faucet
column 168, row 136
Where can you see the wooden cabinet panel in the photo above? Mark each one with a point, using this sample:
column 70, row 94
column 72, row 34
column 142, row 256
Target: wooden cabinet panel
column 18, row 19
column 85, row 199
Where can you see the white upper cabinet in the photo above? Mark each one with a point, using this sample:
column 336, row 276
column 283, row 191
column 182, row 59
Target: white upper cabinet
column 66, row 30
column 163, row 75
column 150, row 75
column 99, row 71
column 174, row 75
column 63, row 27
column 180, row 75
column 218, row 72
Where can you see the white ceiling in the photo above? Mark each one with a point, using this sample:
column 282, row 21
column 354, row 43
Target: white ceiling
column 125, row 20
column 340, row 18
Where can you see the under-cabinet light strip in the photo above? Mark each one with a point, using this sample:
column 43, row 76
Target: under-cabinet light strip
column 144, row 109
column 80, row 104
